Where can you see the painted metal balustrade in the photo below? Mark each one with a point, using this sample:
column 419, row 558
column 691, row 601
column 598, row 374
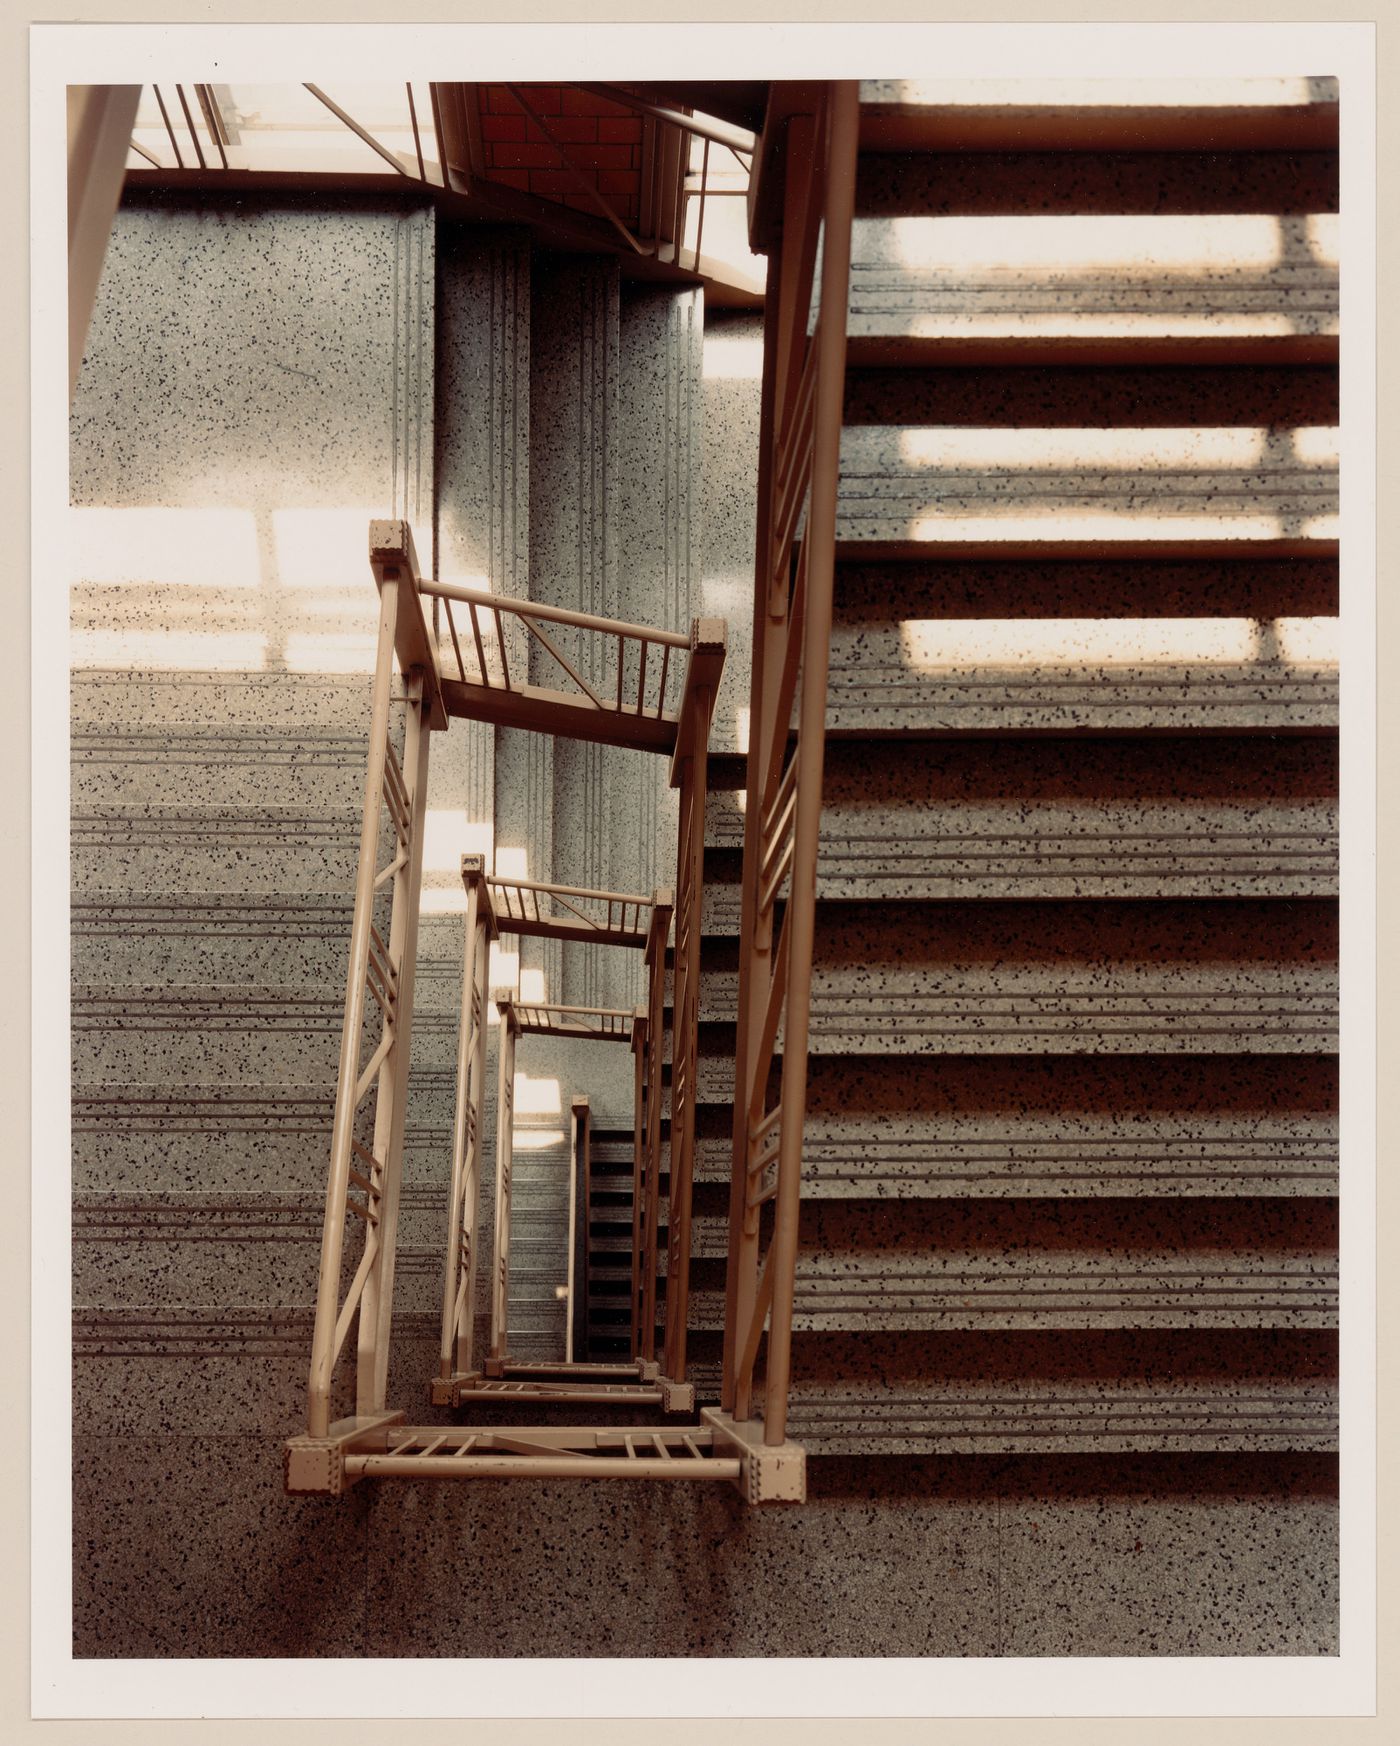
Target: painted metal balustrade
column 364, row 1179
column 806, row 195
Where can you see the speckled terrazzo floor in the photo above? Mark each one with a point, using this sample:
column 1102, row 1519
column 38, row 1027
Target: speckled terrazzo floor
column 1148, row 1556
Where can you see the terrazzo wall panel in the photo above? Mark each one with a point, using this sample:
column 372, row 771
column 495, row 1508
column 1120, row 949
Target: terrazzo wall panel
column 258, row 384
column 733, row 394
column 574, row 387
column 482, row 502
column 660, row 531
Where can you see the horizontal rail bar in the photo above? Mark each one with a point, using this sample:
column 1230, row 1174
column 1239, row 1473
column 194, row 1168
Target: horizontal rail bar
column 430, row 586
column 552, row 1466
column 706, row 126
column 499, row 881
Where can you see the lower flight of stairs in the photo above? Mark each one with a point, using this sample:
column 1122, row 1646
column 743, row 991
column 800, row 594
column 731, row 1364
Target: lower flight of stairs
column 608, row 1250
column 539, row 1244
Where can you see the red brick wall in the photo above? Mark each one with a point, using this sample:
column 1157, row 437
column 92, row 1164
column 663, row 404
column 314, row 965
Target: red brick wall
column 603, row 140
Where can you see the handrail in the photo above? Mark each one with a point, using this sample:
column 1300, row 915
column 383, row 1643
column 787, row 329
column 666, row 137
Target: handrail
column 575, row 915
column 384, row 970
column 690, row 773
column 580, row 1192
column 550, row 1019
column 808, row 189
column 704, row 126
column 468, row 1129
column 490, row 667
column 646, row 1221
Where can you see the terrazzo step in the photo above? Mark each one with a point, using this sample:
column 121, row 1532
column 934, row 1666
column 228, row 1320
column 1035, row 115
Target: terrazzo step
column 1105, row 1265
column 1141, row 388
column 225, row 1036
column 1062, row 978
column 1129, row 1009
column 1093, row 287
column 133, row 851
column 278, row 940
column 1151, row 1290
column 277, row 703
column 135, row 1251
column 1064, row 675
column 907, row 489
column 1154, row 1154
column 320, row 770
column 1090, row 1416
column 1156, row 818
column 245, row 1138
column 1099, row 115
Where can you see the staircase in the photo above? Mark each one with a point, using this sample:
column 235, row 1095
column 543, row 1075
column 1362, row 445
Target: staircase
column 1069, row 1168
column 609, row 1244
column 539, row 1254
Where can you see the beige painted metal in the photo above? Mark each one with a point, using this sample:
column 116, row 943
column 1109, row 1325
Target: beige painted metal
column 644, row 1277
column 527, row 1369
column 505, row 1120
column 628, row 708
column 382, row 1446
column 382, row 970
column 579, row 1127
column 803, row 387
column 690, row 876
column 364, row 1180
column 543, row 1452
column 571, row 1391
column 639, row 1139
column 406, row 789
column 769, row 1472
column 571, row 912
column 459, row 1271
column 600, row 1024
column 100, row 120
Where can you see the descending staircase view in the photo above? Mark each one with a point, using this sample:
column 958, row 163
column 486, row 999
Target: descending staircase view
column 932, row 897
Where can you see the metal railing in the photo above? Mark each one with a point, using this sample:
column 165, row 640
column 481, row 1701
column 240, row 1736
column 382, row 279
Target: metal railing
column 670, row 181
column 691, row 776
column 456, row 1353
column 364, row 1179
column 221, row 141
column 580, row 1249
column 803, row 382
column 649, row 1039
column 570, row 911
column 625, row 650
column 604, row 1024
